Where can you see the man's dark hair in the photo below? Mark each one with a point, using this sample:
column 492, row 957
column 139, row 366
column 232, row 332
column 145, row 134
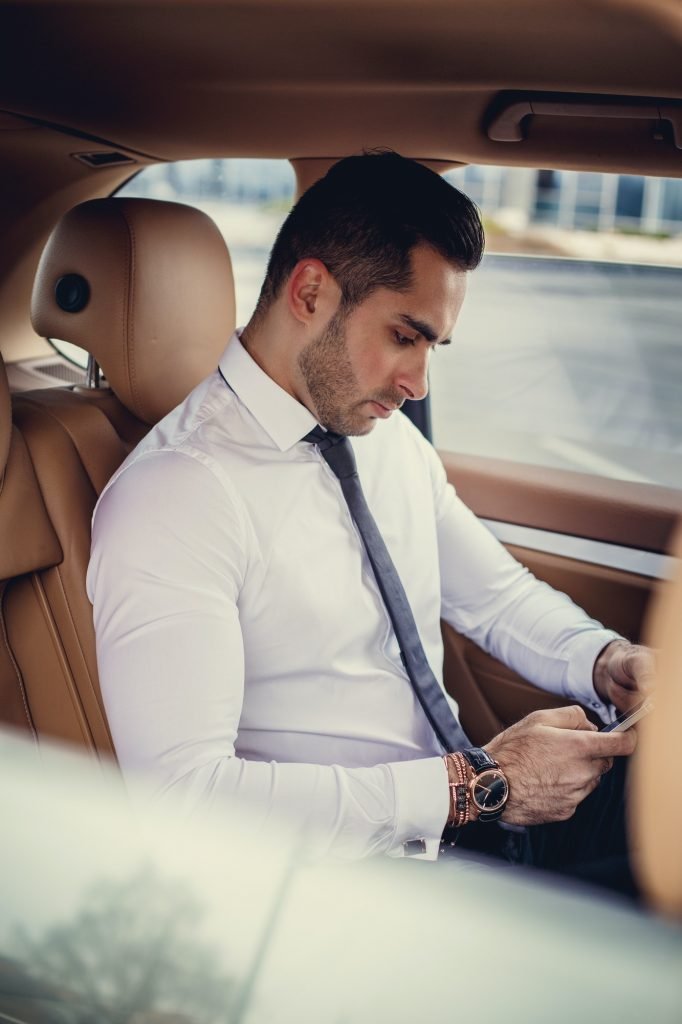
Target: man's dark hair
column 363, row 219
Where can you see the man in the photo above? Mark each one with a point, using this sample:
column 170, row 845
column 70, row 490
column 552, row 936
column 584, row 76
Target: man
column 247, row 649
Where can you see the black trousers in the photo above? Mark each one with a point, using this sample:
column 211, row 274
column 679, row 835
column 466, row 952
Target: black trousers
column 591, row 846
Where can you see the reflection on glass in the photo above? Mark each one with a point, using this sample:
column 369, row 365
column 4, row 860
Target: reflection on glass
column 132, row 953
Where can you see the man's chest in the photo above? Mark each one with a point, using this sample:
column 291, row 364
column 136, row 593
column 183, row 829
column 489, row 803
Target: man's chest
column 310, row 594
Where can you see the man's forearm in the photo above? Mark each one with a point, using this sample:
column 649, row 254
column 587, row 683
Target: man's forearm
column 494, row 600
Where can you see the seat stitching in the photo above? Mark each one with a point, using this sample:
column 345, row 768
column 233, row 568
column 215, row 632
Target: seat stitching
column 72, row 620
column 12, row 659
column 72, row 437
column 129, row 319
column 94, row 687
column 57, row 640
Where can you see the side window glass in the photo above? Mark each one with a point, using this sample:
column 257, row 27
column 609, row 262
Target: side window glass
column 568, row 350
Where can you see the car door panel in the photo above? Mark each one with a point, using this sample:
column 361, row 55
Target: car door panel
column 492, row 696
column 636, row 515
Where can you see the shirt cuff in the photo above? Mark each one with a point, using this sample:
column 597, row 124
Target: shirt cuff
column 587, row 648
column 422, row 805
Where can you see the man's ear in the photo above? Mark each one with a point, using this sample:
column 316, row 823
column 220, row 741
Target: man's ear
column 312, row 293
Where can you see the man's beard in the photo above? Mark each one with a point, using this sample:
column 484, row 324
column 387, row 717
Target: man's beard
column 326, row 369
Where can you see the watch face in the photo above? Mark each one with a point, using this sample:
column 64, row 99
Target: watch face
column 490, row 790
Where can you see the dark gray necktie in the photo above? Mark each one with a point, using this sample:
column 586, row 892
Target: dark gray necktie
column 337, row 452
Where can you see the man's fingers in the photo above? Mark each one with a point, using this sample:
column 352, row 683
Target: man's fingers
column 612, row 744
column 605, row 765
column 626, row 700
column 587, row 776
column 571, row 717
column 635, row 668
column 589, row 786
column 641, row 666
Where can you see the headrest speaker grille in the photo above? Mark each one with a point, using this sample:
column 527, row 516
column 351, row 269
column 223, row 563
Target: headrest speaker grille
column 72, row 293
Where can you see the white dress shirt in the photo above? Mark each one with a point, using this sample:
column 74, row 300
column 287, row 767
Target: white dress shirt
column 243, row 647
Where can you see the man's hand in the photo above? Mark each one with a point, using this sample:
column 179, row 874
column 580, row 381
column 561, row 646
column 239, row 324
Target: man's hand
column 553, row 760
column 624, row 674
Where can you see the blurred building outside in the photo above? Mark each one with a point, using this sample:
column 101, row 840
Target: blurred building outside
column 543, row 212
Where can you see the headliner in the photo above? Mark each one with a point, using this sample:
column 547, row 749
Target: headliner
column 299, row 78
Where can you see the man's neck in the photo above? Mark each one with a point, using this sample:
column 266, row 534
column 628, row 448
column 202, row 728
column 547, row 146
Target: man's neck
column 275, row 353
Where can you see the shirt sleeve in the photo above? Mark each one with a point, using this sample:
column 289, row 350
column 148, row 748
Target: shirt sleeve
column 495, row 601
column 171, row 547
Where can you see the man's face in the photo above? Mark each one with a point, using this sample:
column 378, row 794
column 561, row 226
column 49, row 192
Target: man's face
column 367, row 362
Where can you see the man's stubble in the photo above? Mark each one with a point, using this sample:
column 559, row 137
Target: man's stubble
column 331, row 382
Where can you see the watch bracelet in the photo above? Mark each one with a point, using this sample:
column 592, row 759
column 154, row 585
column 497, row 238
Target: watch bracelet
column 460, row 799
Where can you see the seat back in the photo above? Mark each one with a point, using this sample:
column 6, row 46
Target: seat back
column 29, row 545
column 146, row 288
column 73, row 448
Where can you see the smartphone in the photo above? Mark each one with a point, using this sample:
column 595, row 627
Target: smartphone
column 628, row 718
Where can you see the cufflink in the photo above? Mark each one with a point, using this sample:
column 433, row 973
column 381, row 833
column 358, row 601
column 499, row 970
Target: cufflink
column 413, row 847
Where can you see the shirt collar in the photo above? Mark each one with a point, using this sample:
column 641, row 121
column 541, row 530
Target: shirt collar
column 280, row 415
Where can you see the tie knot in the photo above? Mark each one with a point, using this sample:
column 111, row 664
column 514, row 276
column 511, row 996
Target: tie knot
column 323, row 438
column 335, row 449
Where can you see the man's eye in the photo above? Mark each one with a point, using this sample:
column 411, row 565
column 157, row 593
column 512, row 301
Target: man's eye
column 403, row 339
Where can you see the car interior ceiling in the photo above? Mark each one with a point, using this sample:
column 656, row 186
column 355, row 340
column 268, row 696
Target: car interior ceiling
column 427, row 79
column 74, row 129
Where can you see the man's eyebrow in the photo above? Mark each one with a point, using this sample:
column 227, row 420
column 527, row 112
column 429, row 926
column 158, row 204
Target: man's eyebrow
column 421, row 327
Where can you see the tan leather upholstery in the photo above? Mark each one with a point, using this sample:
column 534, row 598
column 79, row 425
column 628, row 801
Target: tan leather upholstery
column 656, row 818
column 28, row 543
column 161, row 311
column 161, row 306
column 5, row 421
column 616, row 511
column 28, row 540
column 74, row 448
column 48, row 678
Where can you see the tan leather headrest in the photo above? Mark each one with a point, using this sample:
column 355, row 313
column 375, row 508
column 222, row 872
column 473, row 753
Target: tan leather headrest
column 5, row 418
column 160, row 303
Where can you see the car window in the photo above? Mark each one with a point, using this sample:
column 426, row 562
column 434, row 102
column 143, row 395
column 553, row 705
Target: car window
column 573, row 364
column 568, row 351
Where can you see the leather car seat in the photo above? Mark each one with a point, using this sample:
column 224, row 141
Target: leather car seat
column 29, row 544
column 146, row 288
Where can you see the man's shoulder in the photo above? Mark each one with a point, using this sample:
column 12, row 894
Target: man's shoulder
column 183, row 452
column 182, row 427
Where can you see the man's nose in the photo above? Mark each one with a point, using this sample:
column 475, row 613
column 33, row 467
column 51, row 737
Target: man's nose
column 413, row 377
